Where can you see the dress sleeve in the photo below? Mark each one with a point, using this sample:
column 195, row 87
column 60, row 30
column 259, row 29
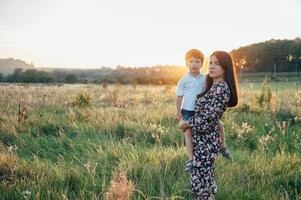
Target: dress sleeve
column 213, row 109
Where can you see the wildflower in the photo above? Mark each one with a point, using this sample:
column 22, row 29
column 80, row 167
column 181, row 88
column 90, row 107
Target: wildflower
column 64, row 197
column 241, row 131
column 266, row 139
column 91, row 167
column 26, row 194
column 12, row 148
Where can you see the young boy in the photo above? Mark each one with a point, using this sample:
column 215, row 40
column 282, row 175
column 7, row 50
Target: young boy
column 189, row 86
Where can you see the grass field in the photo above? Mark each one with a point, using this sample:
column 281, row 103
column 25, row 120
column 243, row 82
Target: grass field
column 121, row 142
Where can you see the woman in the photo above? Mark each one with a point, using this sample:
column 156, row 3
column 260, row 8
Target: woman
column 220, row 93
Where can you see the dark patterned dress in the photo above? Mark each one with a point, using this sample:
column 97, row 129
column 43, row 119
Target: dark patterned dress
column 206, row 139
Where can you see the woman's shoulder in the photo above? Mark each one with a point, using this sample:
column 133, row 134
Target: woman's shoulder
column 221, row 87
column 221, row 84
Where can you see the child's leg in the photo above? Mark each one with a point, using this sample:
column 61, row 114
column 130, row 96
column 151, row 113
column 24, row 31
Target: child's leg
column 224, row 150
column 211, row 197
column 222, row 134
column 189, row 144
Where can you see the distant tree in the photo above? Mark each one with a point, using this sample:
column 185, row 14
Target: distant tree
column 1, row 77
column 45, row 77
column 280, row 55
column 59, row 76
column 30, row 76
column 71, row 78
column 16, row 76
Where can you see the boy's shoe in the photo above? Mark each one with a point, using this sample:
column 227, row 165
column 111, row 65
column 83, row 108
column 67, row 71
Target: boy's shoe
column 188, row 166
column 226, row 153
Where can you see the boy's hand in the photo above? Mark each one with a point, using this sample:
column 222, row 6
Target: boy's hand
column 178, row 116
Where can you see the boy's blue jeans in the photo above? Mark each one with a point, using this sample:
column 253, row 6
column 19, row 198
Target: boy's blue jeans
column 186, row 114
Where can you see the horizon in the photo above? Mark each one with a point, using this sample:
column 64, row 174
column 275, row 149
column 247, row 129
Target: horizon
column 92, row 34
column 119, row 65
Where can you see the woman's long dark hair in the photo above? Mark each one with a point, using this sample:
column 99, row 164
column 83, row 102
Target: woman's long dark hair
column 225, row 61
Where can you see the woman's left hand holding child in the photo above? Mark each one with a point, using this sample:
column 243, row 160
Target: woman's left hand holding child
column 183, row 125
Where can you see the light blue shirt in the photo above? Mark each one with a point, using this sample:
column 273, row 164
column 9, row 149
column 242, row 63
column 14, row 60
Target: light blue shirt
column 189, row 87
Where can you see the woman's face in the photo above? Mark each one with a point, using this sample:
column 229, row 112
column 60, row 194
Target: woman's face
column 215, row 70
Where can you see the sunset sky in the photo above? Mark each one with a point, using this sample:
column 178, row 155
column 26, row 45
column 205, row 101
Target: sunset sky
column 94, row 33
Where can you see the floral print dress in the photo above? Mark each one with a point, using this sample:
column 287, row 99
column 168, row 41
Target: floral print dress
column 206, row 139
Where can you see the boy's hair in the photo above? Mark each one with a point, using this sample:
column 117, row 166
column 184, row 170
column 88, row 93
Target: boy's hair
column 194, row 53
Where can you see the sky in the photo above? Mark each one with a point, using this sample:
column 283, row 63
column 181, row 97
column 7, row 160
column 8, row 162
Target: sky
column 95, row 33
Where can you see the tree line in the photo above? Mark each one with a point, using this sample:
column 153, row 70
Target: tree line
column 268, row 56
column 164, row 75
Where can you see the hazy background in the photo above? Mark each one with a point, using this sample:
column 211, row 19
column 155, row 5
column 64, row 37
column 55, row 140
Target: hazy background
column 90, row 33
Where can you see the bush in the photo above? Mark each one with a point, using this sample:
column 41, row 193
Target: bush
column 82, row 99
column 7, row 163
column 264, row 99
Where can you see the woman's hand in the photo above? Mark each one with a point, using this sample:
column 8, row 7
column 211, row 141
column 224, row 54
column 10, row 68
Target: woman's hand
column 183, row 125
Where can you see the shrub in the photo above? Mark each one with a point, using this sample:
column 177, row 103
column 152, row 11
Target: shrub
column 264, row 99
column 82, row 99
column 120, row 187
column 7, row 163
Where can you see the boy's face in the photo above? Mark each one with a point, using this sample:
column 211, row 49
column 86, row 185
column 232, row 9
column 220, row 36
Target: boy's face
column 194, row 64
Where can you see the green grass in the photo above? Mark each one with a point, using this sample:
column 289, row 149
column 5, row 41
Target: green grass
column 61, row 151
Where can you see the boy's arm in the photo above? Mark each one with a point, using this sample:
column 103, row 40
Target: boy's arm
column 178, row 106
column 179, row 94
